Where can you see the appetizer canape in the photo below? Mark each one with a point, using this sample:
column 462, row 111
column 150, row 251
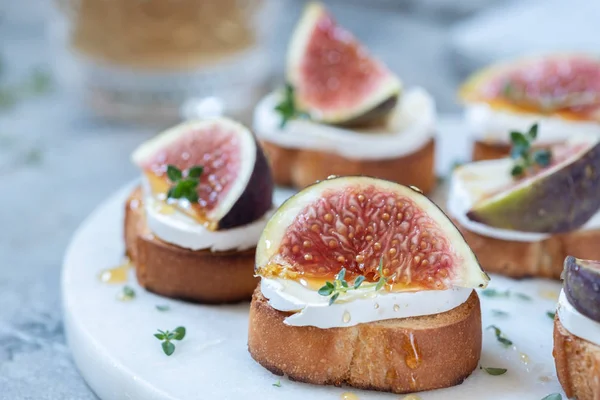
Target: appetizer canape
column 561, row 92
column 343, row 112
column 366, row 282
column 192, row 226
column 523, row 215
column 577, row 330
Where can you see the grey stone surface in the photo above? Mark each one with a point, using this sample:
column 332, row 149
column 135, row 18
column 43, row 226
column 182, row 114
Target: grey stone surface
column 57, row 163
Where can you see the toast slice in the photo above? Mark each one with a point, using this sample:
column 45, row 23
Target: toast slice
column 302, row 167
column 532, row 259
column 398, row 355
column 577, row 364
column 202, row 276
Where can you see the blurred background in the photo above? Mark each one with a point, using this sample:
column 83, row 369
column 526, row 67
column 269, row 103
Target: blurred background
column 82, row 82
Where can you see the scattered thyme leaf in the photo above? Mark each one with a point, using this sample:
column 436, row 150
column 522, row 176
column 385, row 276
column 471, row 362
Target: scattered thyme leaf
column 551, row 314
column 277, row 384
column 499, row 313
column 334, row 298
column 494, row 293
column 553, row 396
column 380, row 284
column 173, row 173
column 522, row 296
column 166, row 336
column 495, row 371
column 162, row 307
column 126, row 294
column 358, row 281
column 500, row 336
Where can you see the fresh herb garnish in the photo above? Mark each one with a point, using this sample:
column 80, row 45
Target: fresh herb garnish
column 162, row 307
column 525, row 157
column 500, row 313
column 37, row 83
column 126, row 294
column 495, row 371
column 500, row 336
column 287, row 107
column 553, row 396
column 504, row 294
column 383, row 279
column 551, row 314
column 277, row 384
column 339, row 285
column 184, row 187
column 167, row 336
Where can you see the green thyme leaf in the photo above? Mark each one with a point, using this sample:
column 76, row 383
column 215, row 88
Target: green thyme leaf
column 380, row 284
column 495, row 293
column 195, row 171
column 326, row 290
column 517, row 171
column 517, row 138
column 499, row 313
column 522, row 296
column 342, row 274
column 127, row 293
column 159, row 336
column 551, row 314
column 553, row 396
column 358, row 281
column 168, row 347
column 495, row 371
column 173, row 173
column 500, row 336
column 521, row 152
column 334, row 298
column 287, row 107
column 542, row 157
column 277, row 384
column 179, row 333
column 161, row 307
column 533, row 131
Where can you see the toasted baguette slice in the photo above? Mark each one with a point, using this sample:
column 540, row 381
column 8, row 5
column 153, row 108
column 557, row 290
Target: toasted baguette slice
column 399, row 355
column 577, row 364
column 302, row 167
column 203, row 276
column 532, row 259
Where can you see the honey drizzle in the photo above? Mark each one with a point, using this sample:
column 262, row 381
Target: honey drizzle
column 349, row 396
column 118, row 274
column 412, row 355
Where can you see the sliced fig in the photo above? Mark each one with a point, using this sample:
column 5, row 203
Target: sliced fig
column 357, row 223
column 235, row 187
column 567, row 85
column 582, row 286
column 558, row 198
column 334, row 78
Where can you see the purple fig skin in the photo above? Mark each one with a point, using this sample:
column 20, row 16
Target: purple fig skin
column 257, row 198
column 557, row 203
column 582, row 286
column 375, row 116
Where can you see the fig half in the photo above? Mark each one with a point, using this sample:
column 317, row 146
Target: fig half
column 582, row 286
column 558, row 198
column 236, row 185
column 566, row 85
column 370, row 227
column 334, row 78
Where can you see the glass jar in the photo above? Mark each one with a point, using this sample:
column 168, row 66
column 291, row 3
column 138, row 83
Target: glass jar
column 142, row 59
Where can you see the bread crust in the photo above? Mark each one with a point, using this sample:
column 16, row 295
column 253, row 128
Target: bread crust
column 489, row 151
column 202, row 276
column 577, row 364
column 532, row 259
column 302, row 167
column 379, row 355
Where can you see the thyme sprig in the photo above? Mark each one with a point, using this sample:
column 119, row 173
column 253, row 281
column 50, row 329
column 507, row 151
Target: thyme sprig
column 287, row 108
column 166, row 337
column 184, row 186
column 340, row 285
column 500, row 336
column 525, row 157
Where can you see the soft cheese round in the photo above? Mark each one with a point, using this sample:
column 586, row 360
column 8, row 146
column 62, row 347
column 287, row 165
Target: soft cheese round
column 356, row 306
column 577, row 323
column 492, row 126
column 409, row 129
column 473, row 181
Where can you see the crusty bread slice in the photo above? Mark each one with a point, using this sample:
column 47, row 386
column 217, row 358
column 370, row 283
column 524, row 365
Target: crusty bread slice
column 399, row 355
column 532, row 259
column 302, row 167
column 577, row 364
column 203, row 276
